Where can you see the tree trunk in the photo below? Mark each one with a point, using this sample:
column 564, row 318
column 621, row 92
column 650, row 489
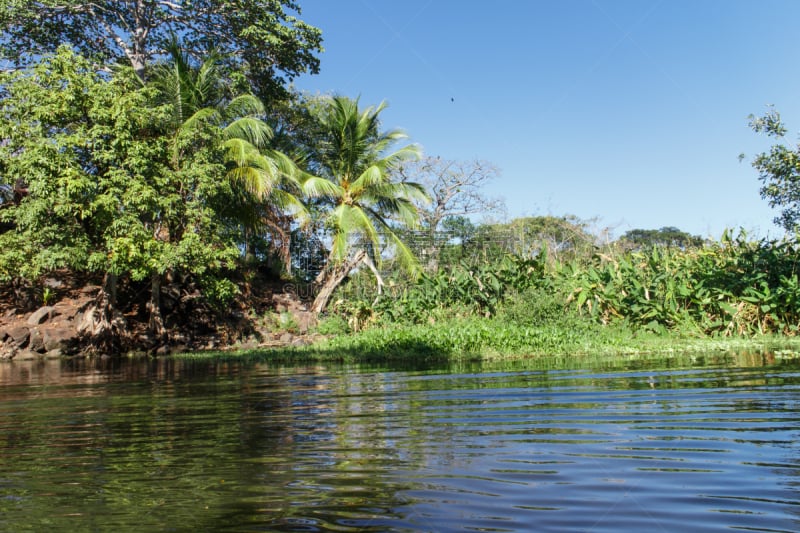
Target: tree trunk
column 378, row 279
column 98, row 320
column 138, row 64
column 281, row 239
column 156, row 323
column 330, row 279
column 249, row 253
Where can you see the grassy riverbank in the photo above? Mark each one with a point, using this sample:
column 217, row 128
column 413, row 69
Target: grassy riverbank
column 729, row 296
column 473, row 339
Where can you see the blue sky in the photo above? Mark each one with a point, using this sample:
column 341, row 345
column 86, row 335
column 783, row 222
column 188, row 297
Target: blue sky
column 631, row 112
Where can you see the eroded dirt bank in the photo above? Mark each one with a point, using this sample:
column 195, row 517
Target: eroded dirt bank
column 51, row 319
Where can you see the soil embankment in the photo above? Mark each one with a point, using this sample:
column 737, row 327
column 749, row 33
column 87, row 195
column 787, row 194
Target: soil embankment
column 50, row 321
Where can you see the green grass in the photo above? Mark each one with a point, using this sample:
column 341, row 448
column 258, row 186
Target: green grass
column 476, row 339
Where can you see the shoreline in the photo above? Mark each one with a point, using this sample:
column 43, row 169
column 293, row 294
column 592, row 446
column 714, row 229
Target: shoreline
column 335, row 351
column 267, row 322
column 265, row 313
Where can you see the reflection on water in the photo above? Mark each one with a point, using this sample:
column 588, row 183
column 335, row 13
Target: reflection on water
column 698, row 444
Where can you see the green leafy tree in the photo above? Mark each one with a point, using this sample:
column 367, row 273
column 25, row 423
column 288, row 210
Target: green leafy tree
column 106, row 195
column 668, row 236
column 360, row 201
column 560, row 237
column 199, row 114
column 779, row 170
column 261, row 38
column 68, row 134
column 460, row 232
column 264, row 181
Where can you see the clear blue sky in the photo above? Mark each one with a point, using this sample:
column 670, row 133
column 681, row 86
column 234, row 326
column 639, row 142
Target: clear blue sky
column 632, row 111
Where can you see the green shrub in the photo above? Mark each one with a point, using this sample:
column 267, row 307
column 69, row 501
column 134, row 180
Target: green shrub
column 333, row 325
column 538, row 306
column 733, row 287
column 218, row 292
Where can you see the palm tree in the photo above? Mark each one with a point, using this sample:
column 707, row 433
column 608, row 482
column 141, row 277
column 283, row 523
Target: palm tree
column 195, row 96
column 363, row 200
column 265, row 182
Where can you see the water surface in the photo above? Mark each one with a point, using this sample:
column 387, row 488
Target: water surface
column 693, row 444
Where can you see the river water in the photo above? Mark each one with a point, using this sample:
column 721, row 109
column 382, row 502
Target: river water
column 683, row 444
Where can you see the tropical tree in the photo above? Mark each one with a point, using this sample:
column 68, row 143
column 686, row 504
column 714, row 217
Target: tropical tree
column 261, row 180
column 126, row 183
column 361, row 202
column 668, row 236
column 261, row 38
column 105, row 196
column 198, row 93
column 559, row 237
column 779, row 170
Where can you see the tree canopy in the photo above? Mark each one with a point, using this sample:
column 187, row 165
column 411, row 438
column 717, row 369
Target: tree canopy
column 779, row 170
column 262, row 38
column 668, row 236
column 116, row 186
column 528, row 236
column 455, row 188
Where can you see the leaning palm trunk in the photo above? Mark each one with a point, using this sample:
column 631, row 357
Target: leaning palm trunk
column 356, row 185
column 332, row 278
column 328, row 280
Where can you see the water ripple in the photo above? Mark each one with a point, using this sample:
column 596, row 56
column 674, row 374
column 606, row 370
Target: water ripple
column 246, row 448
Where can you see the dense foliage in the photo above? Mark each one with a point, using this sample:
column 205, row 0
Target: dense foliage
column 511, row 304
column 114, row 185
column 736, row 286
column 260, row 40
column 176, row 179
column 779, row 170
column 117, row 186
column 668, row 236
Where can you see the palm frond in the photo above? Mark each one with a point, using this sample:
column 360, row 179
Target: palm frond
column 348, row 221
column 339, row 244
column 410, row 152
column 245, row 105
column 206, row 85
column 204, row 115
column 289, row 203
column 239, row 151
column 254, row 130
column 399, row 209
column 290, row 174
column 405, row 257
column 373, row 176
column 359, row 159
column 255, row 181
column 381, row 143
column 412, row 191
column 314, row 187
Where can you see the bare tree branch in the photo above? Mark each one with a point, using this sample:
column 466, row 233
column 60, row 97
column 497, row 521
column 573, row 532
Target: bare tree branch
column 455, row 188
